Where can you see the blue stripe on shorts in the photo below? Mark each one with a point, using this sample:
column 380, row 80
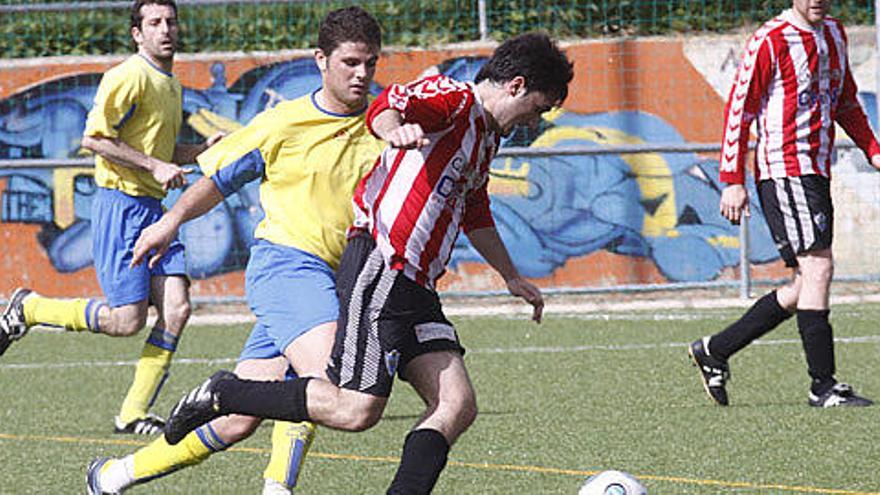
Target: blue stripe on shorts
column 290, row 291
column 117, row 221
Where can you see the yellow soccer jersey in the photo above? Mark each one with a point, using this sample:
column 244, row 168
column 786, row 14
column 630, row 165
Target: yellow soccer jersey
column 309, row 162
column 143, row 106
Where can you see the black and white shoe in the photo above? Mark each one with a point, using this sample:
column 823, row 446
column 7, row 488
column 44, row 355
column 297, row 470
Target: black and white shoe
column 714, row 372
column 840, row 395
column 199, row 406
column 12, row 323
column 148, row 425
column 93, row 477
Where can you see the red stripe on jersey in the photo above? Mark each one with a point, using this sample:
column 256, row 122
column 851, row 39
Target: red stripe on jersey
column 441, row 226
column 379, row 197
column 835, row 86
column 432, row 170
column 811, row 47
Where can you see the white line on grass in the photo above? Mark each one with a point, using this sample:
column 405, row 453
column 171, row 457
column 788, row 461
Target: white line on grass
column 867, row 339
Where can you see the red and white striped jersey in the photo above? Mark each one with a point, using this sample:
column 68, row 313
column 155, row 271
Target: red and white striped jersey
column 414, row 202
column 796, row 81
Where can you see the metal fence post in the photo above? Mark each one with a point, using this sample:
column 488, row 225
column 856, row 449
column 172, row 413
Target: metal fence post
column 745, row 272
column 484, row 20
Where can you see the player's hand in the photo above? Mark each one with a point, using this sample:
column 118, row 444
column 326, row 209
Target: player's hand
column 875, row 161
column 407, row 136
column 523, row 288
column 153, row 242
column 734, row 203
column 170, row 176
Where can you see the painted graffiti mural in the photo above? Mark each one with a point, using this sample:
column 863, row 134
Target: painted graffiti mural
column 568, row 220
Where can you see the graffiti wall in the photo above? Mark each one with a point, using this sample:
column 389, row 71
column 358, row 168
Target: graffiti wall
column 569, row 221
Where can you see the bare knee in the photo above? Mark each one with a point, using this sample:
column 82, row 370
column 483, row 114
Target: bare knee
column 125, row 325
column 462, row 410
column 360, row 418
column 235, row 427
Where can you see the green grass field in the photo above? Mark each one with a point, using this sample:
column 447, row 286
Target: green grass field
column 557, row 401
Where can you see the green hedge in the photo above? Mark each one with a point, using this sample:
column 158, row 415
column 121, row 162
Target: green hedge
column 247, row 26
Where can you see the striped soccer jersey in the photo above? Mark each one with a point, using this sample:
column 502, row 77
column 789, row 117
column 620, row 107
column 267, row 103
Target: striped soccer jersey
column 796, row 81
column 414, row 202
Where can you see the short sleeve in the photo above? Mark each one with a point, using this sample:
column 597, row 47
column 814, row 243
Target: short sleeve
column 115, row 102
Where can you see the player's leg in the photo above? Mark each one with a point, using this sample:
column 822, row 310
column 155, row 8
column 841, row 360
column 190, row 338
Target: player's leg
column 116, row 220
column 363, row 384
column 711, row 353
column 159, row 459
column 170, row 295
column 308, row 355
column 442, row 381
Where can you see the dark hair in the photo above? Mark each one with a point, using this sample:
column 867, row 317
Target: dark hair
column 137, row 18
column 536, row 58
column 349, row 24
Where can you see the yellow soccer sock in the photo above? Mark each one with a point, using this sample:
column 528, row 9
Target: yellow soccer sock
column 151, row 372
column 290, row 444
column 72, row 314
column 158, row 458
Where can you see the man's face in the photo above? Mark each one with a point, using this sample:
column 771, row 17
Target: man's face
column 814, row 11
column 347, row 73
column 157, row 35
column 522, row 107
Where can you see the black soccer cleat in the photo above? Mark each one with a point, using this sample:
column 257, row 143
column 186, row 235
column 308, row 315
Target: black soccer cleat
column 840, row 395
column 93, row 477
column 199, row 406
column 12, row 323
column 714, row 372
column 148, row 425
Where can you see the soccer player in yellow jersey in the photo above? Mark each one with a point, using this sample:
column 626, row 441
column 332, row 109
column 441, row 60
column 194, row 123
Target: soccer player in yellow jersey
column 132, row 129
column 308, row 154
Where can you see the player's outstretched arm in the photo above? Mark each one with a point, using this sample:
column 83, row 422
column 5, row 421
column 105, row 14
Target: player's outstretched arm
column 488, row 243
column 114, row 149
column 193, row 203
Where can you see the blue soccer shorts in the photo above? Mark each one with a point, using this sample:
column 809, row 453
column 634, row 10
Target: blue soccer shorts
column 117, row 221
column 290, row 292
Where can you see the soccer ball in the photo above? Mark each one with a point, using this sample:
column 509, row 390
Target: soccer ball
column 612, row 483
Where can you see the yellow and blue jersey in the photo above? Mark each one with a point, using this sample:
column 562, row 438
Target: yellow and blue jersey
column 142, row 106
column 309, row 162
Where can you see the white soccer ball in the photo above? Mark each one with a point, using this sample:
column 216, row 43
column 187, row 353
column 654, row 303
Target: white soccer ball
column 612, row 483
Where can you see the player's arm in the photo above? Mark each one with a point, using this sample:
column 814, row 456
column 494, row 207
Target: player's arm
column 227, row 165
column 750, row 84
column 488, row 243
column 479, row 226
column 403, row 114
column 117, row 151
column 193, row 203
column 851, row 117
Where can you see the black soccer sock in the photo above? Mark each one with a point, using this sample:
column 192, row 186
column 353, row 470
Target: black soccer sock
column 424, row 456
column 765, row 315
column 284, row 401
column 818, row 340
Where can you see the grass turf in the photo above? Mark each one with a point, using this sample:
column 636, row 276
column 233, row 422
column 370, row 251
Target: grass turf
column 557, row 402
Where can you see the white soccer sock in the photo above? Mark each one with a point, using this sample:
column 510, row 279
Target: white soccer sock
column 274, row 487
column 119, row 475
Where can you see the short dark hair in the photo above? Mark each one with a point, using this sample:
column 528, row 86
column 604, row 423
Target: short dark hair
column 137, row 18
column 348, row 24
column 536, row 58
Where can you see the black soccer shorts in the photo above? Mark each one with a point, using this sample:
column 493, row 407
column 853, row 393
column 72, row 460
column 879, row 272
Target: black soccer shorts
column 385, row 320
column 799, row 213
